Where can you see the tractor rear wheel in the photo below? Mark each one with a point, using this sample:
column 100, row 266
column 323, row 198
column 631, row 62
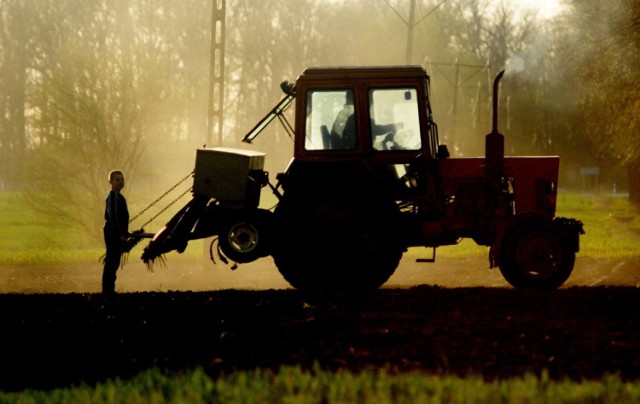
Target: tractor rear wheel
column 535, row 257
column 341, row 244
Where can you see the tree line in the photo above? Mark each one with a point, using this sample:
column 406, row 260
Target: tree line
column 90, row 86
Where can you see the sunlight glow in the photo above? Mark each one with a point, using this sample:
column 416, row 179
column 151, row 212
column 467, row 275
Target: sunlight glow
column 544, row 8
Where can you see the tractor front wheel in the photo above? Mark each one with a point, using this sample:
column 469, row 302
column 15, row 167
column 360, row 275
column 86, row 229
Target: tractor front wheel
column 536, row 257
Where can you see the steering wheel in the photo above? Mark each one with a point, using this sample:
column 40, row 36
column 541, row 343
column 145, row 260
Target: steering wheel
column 389, row 142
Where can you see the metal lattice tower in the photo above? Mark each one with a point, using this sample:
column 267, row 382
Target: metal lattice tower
column 216, row 73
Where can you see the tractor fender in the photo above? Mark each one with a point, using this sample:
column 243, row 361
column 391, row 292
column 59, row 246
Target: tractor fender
column 570, row 231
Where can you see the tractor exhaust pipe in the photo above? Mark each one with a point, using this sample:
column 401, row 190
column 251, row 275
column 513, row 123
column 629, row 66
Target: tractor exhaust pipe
column 496, row 92
column 494, row 143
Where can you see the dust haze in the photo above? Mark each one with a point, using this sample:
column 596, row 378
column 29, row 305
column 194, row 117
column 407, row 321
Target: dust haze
column 140, row 96
column 202, row 275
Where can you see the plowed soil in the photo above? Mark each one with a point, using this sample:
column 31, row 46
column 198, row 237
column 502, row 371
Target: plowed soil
column 452, row 317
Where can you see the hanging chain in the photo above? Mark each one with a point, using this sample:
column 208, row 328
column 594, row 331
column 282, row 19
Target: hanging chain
column 162, row 196
column 166, row 207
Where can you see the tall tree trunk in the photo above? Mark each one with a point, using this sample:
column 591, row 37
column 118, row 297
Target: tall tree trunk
column 13, row 141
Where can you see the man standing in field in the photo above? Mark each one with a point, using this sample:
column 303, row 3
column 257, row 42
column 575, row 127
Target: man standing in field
column 116, row 231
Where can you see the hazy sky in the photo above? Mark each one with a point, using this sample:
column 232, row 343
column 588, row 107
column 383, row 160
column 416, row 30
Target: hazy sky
column 545, row 8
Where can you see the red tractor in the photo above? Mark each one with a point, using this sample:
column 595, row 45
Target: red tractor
column 368, row 180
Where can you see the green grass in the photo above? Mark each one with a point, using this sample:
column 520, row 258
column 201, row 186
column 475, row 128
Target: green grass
column 293, row 385
column 26, row 240
column 611, row 223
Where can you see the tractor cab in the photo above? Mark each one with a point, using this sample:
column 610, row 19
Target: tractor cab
column 377, row 112
column 377, row 118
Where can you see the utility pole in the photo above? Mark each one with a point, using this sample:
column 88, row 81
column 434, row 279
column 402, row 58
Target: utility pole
column 216, row 73
column 411, row 25
column 454, row 109
column 216, row 88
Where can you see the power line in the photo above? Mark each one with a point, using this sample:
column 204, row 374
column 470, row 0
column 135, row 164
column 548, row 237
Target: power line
column 411, row 24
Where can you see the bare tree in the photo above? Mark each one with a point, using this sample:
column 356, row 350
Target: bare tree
column 484, row 39
column 98, row 107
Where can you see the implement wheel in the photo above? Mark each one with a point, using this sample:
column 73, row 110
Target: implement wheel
column 245, row 238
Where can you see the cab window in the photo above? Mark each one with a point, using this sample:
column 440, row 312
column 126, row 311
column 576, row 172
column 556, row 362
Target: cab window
column 330, row 122
column 395, row 122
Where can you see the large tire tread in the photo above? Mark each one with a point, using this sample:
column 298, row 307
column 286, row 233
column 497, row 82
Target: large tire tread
column 329, row 243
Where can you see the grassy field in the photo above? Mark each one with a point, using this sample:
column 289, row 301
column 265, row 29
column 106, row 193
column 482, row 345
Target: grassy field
column 26, row 240
column 612, row 224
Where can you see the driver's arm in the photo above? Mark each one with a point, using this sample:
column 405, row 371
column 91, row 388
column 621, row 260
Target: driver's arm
column 378, row 130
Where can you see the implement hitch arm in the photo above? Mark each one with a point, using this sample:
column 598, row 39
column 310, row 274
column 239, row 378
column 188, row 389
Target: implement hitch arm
column 175, row 235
